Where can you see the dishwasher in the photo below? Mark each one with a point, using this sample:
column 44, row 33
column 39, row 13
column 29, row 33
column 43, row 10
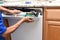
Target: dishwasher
column 28, row 31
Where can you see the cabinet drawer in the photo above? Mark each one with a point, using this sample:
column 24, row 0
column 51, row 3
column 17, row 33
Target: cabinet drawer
column 53, row 14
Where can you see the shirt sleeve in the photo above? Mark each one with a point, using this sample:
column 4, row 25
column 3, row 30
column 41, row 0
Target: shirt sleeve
column 2, row 26
column 2, row 30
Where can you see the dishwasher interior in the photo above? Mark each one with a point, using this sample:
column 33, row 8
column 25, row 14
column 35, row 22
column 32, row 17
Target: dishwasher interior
column 28, row 31
column 36, row 12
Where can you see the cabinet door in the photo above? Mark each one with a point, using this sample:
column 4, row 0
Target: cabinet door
column 53, row 31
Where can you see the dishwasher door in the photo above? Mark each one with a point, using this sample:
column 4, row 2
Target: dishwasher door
column 28, row 31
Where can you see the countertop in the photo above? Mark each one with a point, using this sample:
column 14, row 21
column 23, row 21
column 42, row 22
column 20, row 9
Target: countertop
column 32, row 4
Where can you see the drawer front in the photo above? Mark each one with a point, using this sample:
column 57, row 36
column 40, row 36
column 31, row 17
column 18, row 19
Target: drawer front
column 53, row 14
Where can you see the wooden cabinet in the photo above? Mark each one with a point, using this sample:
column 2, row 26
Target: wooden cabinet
column 51, row 24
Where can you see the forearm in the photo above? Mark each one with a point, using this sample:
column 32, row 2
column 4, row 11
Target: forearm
column 12, row 28
column 4, row 9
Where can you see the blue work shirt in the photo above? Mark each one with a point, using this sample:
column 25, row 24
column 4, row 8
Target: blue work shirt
column 2, row 27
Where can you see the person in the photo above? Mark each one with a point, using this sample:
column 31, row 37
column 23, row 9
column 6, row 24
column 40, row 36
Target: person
column 5, row 31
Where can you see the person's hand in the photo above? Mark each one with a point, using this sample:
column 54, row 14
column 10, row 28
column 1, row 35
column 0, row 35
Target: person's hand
column 27, row 19
column 14, row 11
